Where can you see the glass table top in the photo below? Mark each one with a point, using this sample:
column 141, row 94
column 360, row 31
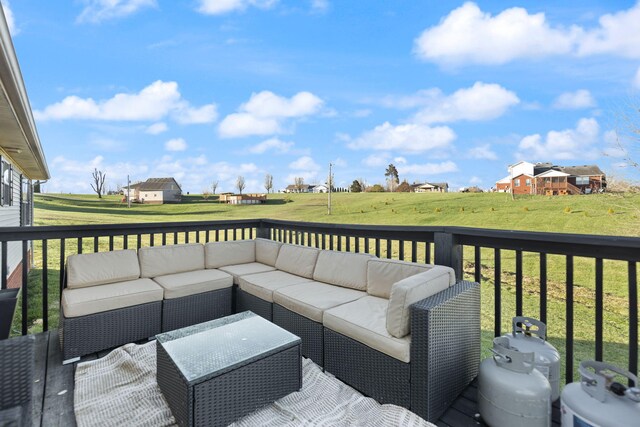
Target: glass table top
column 209, row 349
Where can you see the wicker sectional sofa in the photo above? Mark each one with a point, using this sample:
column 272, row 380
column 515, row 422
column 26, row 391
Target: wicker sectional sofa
column 402, row 333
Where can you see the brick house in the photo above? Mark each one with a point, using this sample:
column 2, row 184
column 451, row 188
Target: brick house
column 549, row 179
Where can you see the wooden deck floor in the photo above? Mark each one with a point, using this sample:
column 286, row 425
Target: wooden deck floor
column 53, row 391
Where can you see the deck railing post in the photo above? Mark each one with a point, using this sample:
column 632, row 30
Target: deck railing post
column 448, row 252
column 263, row 231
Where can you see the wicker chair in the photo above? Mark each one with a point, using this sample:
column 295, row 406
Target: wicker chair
column 16, row 380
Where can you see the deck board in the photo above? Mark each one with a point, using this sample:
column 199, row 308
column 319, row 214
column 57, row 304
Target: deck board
column 58, row 397
column 39, row 376
column 54, row 408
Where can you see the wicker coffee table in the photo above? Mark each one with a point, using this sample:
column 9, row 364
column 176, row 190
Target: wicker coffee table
column 216, row 372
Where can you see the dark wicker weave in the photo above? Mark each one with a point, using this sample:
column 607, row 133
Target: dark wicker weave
column 247, row 302
column 16, row 380
column 174, row 387
column 373, row 373
column 307, row 329
column 237, row 393
column 198, row 308
column 100, row 331
column 445, row 348
column 445, row 355
column 230, row 382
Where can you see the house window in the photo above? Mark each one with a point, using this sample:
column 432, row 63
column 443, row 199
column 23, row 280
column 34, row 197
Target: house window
column 528, row 182
column 6, row 190
column 25, row 205
column 582, row 180
column 517, row 183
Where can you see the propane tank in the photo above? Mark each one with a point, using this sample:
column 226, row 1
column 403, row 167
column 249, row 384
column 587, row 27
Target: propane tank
column 597, row 400
column 530, row 335
column 510, row 391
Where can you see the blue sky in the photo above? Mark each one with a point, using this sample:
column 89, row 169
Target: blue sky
column 206, row 90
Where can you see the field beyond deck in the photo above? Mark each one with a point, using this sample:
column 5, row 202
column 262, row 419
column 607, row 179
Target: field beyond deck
column 609, row 214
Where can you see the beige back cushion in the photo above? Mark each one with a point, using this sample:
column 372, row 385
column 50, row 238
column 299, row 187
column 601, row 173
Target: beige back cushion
column 267, row 251
column 298, row 260
column 383, row 273
column 343, row 269
column 162, row 260
column 220, row 254
column 411, row 290
column 103, row 267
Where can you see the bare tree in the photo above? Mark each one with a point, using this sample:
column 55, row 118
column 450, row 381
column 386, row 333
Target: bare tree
column 98, row 182
column 268, row 182
column 363, row 183
column 298, row 183
column 214, row 186
column 240, row 184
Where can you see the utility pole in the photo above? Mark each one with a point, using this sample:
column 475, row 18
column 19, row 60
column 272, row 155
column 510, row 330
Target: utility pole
column 128, row 192
column 329, row 192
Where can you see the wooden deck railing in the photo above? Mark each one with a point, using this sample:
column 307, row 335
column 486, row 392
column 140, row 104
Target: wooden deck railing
column 521, row 272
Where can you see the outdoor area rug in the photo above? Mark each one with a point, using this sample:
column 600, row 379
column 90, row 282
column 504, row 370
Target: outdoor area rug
column 121, row 389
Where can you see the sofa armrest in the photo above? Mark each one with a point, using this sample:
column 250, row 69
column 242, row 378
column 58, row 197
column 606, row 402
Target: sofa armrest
column 445, row 347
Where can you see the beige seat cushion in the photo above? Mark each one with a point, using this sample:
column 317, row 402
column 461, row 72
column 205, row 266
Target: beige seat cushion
column 383, row 273
column 193, row 282
column 342, row 269
column 243, row 269
column 267, row 251
column 298, row 260
column 313, row 298
column 96, row 299
column 162, row 260
column 102, row 267
column 219, row 254
column 411, row 290
column 262, row 285
column 364, row 320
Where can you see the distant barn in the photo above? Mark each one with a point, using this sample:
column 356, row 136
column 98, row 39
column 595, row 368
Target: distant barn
column 155, row 191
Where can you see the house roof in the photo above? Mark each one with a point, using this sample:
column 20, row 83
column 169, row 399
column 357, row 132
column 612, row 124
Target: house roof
column 18, row 134
column 583, row 170
column 431, row 185
column 158, row 184
column 551, row 173
column 295, row 187
column 505, row 180
column 523, row 174
column 519, row 163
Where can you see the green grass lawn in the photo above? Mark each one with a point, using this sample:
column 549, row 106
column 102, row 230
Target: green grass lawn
column 605, row 214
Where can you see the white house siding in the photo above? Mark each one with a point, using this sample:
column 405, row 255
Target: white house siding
column 171, row 196
column 154, row 196
column 10, row 217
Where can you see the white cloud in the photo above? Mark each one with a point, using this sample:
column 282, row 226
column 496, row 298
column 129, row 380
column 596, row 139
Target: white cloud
column 483, row 152
column 467, row 35
column 482, row 101
column 274, row 144
column 189, row 115
column 175, row 144
column 243, row 124
column 574, row 100
column 8, row 14
column 319, row 6
column 428, row 168
column 618, row 34
column 407, row 138
column 220, row 7
column 157, row 128
column 97, row 11
column 304, row 163
column 153, row 102
column 376, row 160
column 636, row 79
column 562, row 145
column 266, row 113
